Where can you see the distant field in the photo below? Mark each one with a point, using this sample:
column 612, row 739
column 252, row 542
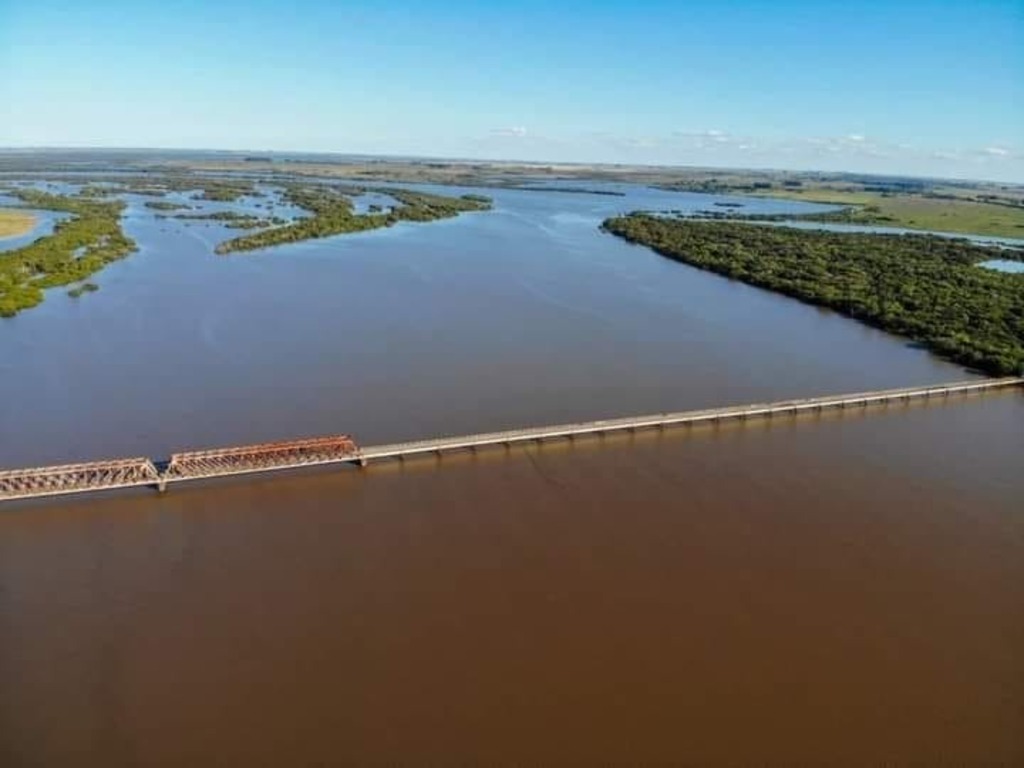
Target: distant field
column 826, row 195
column 14, row 223
column 917, row 212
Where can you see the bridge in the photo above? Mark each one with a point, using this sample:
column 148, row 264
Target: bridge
column 342, row 449
column 265, row 457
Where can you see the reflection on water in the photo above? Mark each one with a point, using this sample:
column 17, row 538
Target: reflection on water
column 847, row 586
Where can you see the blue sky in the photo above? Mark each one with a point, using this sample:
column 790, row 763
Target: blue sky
column 932, row 88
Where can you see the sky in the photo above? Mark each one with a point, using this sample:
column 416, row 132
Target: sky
column 902, row 86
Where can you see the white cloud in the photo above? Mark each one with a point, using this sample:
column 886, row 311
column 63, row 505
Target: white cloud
column 516, row 131
column 996, row 151
column 642, row 143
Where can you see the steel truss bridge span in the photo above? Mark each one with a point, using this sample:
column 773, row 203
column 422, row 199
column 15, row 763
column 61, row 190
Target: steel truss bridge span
column 342, row 449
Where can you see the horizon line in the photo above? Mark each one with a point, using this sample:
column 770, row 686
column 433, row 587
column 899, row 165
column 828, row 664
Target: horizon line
column 493, row 160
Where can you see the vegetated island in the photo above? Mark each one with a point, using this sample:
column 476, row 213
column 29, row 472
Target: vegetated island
column 165, row 205
column 14, row 223
column 927, row 288
column 231, row 219
column 332, row 213
column 159, row 184
column 77, row 248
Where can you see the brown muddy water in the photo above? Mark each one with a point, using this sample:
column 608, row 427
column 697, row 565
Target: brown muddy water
column 839, row 589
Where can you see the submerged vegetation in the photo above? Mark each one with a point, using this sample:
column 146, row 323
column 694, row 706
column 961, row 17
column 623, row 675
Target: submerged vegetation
column 332, row 213
column 927, row 288
column 84, row 288
column 78, row 247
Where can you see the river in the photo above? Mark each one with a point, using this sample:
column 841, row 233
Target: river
column 828, row 588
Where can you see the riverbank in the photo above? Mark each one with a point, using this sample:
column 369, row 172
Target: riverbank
column 928, row 289
column 15, row 223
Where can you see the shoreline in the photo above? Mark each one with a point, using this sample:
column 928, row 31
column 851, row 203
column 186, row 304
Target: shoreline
column 872, row 278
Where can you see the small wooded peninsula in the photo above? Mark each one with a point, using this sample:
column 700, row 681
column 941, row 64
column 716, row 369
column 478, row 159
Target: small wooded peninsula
column 927, row 288
column 333, row 213
column 78, row 247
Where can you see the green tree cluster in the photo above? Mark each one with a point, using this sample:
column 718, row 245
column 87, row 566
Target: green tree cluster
column 77, row 248
column 332, row 213
column 158, row 185
column 927, row 288
column 231, row 219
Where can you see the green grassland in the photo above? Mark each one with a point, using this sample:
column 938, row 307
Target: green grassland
column 940, row 214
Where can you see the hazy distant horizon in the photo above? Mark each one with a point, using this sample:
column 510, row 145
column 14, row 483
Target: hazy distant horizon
column 327, row 155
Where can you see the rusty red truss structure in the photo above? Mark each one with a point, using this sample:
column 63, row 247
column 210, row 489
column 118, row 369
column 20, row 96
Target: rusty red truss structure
column 261, row 457
column 73, row 478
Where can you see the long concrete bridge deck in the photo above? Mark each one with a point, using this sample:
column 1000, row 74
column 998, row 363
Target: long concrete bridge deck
column 508, row 437
column 341, row 449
